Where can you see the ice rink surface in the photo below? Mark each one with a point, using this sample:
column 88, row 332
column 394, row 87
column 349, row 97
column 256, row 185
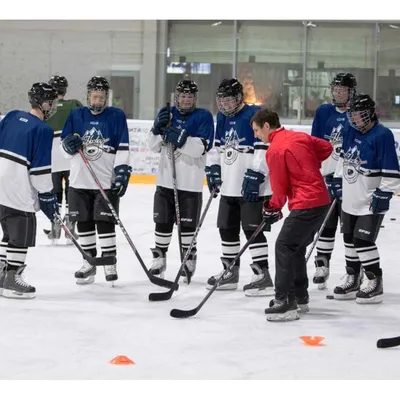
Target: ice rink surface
column 71, row 331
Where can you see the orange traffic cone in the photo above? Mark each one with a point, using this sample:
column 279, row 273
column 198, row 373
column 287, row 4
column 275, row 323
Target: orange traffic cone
column 312, row 340
column 121, row 360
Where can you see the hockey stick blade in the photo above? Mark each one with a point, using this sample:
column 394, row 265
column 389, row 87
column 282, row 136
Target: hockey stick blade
column 108, row 260
column 181, row 314
column 162, row 282
column 388, row 342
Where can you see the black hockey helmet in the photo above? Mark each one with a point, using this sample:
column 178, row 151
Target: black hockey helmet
column 97, row 83
column 186, row 104
column 343, row 88
column 361, row 112
column 229, row 96
column 59, row 83
column 44, row 97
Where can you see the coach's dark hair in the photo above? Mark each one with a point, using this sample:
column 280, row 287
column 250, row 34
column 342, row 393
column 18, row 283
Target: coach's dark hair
column 266, row 115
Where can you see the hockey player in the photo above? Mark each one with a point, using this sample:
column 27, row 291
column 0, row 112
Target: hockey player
column 60, row 165
column 370, row 169
column 238, row 161
column 190, row 130
column 329, row 123
column 294, row 161
column 25, row 185
column 102, row 132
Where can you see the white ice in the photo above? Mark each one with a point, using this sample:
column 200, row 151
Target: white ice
column 71, row 331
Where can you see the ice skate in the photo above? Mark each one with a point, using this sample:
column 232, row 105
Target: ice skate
column 349, row 289
column 190, row 267
column 372, row 291
column 321, row 275
column 55, row 231
column 282, row 311
column 71, row 226
column 231, row 278
column 14, row 286
column 261, row 283
column 86, row 274
column 159, row 265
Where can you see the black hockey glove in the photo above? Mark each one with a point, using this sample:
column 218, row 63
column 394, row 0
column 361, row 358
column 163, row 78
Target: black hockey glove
column 161, row 121
column 251, row 185
column 380, row 201
column 176, row 136
column 335, row 187
column 72, row 143
column 213, row 175
column 271, row 214
column 48, row 204
column 122, row 175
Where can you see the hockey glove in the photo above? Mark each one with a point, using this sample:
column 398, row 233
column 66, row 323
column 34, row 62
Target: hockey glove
column 161, row 121
column 213, row 175
column 72, row 143
column 122, row 175
column 176, row 136
column 48, row 204
column 380, row 201
column 335, row 187
column 271, row 214
column 251, row 185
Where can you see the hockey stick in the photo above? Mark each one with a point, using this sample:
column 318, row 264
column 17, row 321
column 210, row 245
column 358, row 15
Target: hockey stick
column 321, row 229
column 176, row 313
column 388, row 342
column 153, row 279
column 108, row 260
column 167, row 295
column 176, row 201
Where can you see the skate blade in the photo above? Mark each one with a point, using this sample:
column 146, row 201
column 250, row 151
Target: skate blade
column 288, row 316
column 322, row 286
column 347, row 296
column 228, row 286
column 85, row 281
column 270, row 291
column 13, row 294
column 373, row 300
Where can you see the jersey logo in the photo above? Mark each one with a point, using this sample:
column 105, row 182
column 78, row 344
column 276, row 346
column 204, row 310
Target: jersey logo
column 352, row 165
column 336, row 139
column 232, row 143
column 93, row 144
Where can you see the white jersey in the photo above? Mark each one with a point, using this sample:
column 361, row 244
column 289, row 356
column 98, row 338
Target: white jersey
column 190, row 160
column 367, row 162
column 106, row 145
column 236, row 150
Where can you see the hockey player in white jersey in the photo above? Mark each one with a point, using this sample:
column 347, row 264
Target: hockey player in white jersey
column 25, row 185
column 190, row 130
column 238, row 160
column 367, row 177
column 330, row 122
column 60, row 165
column 102, row 132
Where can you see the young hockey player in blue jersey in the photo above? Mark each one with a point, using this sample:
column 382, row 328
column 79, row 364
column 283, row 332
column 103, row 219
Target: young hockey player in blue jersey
column 238, row 161
column 367, row 177
column 102, row 133
column 190, row 130
column 330, row 122
column 25, row 185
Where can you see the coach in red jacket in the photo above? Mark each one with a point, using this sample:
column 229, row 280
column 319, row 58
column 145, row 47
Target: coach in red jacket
column 294, row 162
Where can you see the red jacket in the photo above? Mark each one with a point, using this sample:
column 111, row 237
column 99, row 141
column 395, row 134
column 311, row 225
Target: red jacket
column 294, row 162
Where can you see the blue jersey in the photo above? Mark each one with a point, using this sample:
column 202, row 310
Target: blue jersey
column 25, row 160
column 106, row 145
column 330, row 124
column 190, row 160
column 369, row 162
column 237, row 149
